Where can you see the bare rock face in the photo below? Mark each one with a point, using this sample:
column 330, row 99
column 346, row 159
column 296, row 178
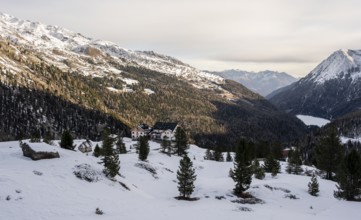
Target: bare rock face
column 40, row 155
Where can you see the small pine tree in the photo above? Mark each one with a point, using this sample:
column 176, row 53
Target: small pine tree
column 67, row 141
column 166, row 145
column 271, row 165
column 218, row 155
column 242, row 171
column 186, row 177
column 143, row 148
column 120, row 146
column 258, row 170
column 229, row 157
column 313, row 187
column 208, row 155
column 97, row 151
column 110, row 157
column 294, row 163
column 181, row 144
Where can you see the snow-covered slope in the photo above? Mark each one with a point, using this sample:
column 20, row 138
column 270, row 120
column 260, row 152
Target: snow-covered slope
column 72, row 51
column 341, row 64
column 310, row 120
column 263, row 82
column 48, row 189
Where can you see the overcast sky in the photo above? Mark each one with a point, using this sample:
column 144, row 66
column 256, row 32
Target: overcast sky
column 283, row 35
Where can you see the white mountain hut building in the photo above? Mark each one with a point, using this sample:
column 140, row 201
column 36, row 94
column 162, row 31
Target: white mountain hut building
column 163, row 130
column 140, row 131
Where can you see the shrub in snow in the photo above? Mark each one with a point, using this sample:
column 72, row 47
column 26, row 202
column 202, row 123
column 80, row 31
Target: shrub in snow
column 38, row 173
column 99, row 211
column 252, row 201
column 86, row 172
column 313, row 186
column 258, row 170
column 244, row 209
column 291, row 196
column 148, row 168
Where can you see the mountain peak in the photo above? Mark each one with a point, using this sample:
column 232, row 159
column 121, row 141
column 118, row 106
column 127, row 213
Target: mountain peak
column 340, row 64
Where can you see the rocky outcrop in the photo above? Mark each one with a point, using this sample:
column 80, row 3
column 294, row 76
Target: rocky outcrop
column 34, row 155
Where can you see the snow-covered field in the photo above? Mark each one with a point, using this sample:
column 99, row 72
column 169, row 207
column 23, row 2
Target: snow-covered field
column 311, row 120
column 48, row 189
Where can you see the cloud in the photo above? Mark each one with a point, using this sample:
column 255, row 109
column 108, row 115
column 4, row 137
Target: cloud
column 287, row 35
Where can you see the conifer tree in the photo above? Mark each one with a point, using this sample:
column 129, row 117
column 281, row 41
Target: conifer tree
column 258, row 170
column 329, row 153
column 242, row 171
column 120, row 146
column 186, row 177
column 181, row 144
column 313, row 187
column 67, row 141
column 143, row 148
column 218, row 155
column 349, row 177
column 97, row 151
column 271, row 165
column 229, row 157
column 209, row 155
column 110, row 157
column 294, row 162
column 166, row 145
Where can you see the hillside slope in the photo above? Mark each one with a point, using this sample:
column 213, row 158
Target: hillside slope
column 135, row 87
column 48, row 189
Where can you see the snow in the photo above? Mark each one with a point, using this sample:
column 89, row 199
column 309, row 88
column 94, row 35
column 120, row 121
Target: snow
column 148, row 91
column 45, row 38
column 344, row 139
column 112, row 89
column 337, row 65
column 48, row 189
column 130, row 81
column 311, row 120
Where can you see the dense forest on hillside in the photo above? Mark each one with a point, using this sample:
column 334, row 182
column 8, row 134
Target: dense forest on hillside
column 30, row 113
column 208, row 117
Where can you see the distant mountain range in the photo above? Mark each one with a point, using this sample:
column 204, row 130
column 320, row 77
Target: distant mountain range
column 128, row 86
column 263, row 82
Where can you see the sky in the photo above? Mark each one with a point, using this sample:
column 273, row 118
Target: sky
column 253, row 35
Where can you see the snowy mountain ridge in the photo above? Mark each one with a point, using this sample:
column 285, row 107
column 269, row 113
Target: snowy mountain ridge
column 341, row 64
column 60, row 46
column 330, row 90
column 263, row 82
